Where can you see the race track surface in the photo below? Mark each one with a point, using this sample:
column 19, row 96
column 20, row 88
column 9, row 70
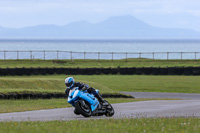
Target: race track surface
column 155, row 108
column 185, row 96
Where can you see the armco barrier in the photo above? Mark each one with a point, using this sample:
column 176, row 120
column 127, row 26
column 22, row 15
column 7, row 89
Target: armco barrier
column 97, row 71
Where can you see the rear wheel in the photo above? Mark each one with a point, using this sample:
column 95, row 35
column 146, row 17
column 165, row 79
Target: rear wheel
column 109, row 110
column 83, row 108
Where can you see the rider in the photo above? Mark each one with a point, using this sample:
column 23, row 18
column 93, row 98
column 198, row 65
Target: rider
column 70, row 83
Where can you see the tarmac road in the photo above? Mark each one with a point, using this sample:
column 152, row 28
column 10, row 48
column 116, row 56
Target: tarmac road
column 155, row 108
column 186, row 96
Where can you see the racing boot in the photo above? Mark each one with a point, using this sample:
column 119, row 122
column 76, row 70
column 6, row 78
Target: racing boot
column 101, row 99
column 97, row 95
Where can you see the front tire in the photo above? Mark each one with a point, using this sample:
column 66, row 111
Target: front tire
column 76, row 112
column 83, row 108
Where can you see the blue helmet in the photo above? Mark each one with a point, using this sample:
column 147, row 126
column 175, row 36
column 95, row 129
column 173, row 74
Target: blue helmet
column 69, row 82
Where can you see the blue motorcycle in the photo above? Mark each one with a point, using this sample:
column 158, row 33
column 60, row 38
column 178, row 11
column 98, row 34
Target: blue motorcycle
column 88, row 105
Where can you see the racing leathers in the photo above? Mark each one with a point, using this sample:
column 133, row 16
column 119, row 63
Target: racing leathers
column 83, row 86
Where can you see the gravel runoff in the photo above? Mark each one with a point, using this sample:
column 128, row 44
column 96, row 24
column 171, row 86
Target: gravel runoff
column 154, row 108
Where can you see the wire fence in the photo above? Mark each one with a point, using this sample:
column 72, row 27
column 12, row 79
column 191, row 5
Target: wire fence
column 58, row 55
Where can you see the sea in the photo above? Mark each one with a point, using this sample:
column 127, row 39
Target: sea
column 99, row 49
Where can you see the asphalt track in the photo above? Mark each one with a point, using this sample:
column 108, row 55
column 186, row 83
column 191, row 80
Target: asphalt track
column 185, row 96
column 154, row 108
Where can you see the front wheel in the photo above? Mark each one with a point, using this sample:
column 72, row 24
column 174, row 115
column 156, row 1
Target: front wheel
column 109, row 110
column 83, row 108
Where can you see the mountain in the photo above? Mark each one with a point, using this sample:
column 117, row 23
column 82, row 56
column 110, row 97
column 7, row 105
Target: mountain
column 118, row 27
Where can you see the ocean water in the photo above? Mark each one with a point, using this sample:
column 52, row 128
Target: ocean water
column 99, row 49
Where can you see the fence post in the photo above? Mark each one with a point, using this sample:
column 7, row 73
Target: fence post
column 181, row 55
column 112, row 56
column 140, row 55
column 167, row 55
column 126, row 57
column 17, row 55
column 71, row 55
column 98, row 55
column 44, row 55
column 57, row 54
column 4, row 55
column 84, row 55
column 153, row 55
column 30, row 55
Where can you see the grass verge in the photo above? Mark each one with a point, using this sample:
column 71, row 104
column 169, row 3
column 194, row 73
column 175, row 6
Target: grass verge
column 141, row 62
column 144, row 125
column 105, row 83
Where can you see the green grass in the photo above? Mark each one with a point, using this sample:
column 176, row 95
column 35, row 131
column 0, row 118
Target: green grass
column 105, row 83
column 28, row 105
column 98, row 63
column 143, row 83
column 144, row 125
column 39, row 84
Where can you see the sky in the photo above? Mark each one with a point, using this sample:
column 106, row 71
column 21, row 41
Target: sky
column 160, row 13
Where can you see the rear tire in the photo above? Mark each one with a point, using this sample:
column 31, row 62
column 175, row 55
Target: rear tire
column 83, row 109
column 109, row 110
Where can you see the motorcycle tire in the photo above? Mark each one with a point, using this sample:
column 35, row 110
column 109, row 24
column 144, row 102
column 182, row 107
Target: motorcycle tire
column 83, row 109
column 109, row 110
column 76, row 112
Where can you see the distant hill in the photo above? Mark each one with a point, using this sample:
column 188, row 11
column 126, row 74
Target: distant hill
column 113, row 28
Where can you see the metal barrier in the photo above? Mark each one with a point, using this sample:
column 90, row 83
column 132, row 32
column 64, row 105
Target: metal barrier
column 49, row 54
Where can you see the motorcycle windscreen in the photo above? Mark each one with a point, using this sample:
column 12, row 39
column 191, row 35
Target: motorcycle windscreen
column 70, row 97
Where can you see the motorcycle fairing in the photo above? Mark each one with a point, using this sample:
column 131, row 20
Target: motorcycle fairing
column 75, row 94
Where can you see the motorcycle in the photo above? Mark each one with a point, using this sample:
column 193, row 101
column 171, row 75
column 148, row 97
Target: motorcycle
column 88, row 105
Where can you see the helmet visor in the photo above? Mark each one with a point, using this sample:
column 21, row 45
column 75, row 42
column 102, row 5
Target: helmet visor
column 68, row 84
